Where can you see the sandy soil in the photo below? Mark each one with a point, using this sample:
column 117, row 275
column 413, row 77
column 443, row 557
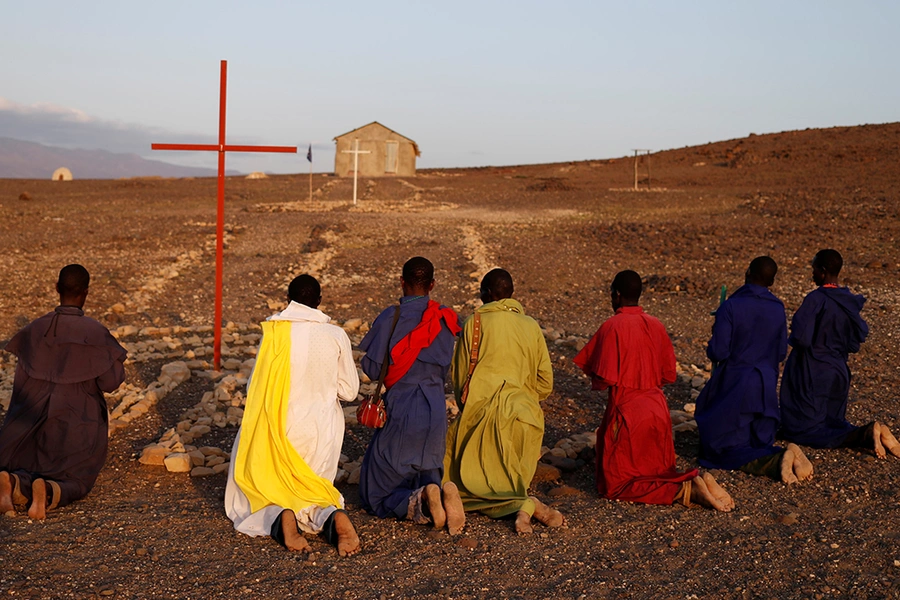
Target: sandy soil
column 562, row 230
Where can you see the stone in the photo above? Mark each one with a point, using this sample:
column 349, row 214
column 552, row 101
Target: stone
column 197, row 458
column 788, row 519
column 202, row 472
column 352, row 324
column 563, row 490
column 220, row 468
column 354, row 476
column 690, row 407
column 341, row 476
column 561, row 463
column 215, row 460
column 558, row 452
column 118, row 308
column 210, row 451
column 154, row 454
column 697, row 382
column 200, row 429
column 545, row 473
column 232, row 364
column 467, row 542
column 178, row 462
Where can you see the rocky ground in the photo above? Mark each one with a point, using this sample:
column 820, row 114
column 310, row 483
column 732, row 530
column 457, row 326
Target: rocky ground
column 154, row 525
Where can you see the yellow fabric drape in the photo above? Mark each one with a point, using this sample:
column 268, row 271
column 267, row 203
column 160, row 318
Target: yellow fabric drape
column 268, row 469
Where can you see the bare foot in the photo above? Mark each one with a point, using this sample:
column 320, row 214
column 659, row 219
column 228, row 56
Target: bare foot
column 6, row 503
column 701, row 495
column 435, row 507
column 879, row 447
column 293, row 539
column 718, row 492
column 456, row 515
column 546, row 515
column 787, row 467
column 348, row 541
column 888, row 441
column 38, row 508
column 523, row 523
column 803, row 469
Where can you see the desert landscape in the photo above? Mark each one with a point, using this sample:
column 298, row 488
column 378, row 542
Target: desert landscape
column 563, row 230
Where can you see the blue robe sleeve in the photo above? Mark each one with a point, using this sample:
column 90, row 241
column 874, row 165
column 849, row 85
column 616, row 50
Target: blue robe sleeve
column 719, row 347
column 803, row 324
column 375, row 344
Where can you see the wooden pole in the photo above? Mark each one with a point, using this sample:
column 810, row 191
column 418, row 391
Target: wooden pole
column 310, row 182
column 635, row 169
column 648, row 170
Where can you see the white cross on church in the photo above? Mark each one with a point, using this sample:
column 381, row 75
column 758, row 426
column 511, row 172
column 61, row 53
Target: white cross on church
column 355, row 152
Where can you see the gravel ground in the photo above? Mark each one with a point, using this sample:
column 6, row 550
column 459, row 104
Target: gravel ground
column 562, row 230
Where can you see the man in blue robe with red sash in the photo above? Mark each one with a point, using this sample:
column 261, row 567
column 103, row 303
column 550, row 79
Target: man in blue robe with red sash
column 816, row 382
column 403, row 465
column 737, row 411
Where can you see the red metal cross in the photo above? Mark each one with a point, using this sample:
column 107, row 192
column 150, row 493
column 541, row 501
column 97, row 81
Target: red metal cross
column 221, row 148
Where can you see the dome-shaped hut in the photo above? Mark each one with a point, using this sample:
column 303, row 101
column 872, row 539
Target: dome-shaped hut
column 62, row 174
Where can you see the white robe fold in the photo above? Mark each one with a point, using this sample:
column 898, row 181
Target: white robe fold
column 322, row 374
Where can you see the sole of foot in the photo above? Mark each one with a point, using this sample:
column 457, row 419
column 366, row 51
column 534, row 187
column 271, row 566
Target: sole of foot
column 293, row 539
column 546, row 515
column 38, row 508
column 888, row 441
column 803, row 469
column 435, row 505
column 6, row 503
column 787, row 468
column 348, row 542
column 879, row 447
column 456, row 514
column 718, row 492
column 523, row 523
column 702, row 496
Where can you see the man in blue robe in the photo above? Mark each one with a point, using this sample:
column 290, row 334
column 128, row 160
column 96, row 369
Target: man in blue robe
column 814, row 389
column 404, row 462
column 737, row 410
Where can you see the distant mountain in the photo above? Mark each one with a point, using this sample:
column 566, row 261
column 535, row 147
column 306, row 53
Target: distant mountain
column 28, row 160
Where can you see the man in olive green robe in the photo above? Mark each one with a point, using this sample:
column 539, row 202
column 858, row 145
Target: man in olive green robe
column 495, row 444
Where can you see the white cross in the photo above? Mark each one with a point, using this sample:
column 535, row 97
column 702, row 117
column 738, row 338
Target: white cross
column 355, row 152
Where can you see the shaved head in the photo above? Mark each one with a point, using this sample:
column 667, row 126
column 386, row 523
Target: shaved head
column 628, row 285
column 418, row 274
column 496, row 285
column 762, row 271
column 829, row 261
column 73, row 281
column 304, row 289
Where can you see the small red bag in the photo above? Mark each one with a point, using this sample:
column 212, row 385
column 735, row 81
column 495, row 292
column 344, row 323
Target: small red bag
column 371, row 412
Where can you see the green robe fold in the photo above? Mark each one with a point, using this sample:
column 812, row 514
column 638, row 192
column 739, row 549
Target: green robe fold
column 495, row 444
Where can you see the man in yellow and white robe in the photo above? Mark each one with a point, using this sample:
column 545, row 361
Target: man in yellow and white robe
column 286, row 453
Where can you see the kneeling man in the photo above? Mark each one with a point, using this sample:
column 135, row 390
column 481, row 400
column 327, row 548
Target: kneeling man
column 631, row 355
column 286, row 453
column 54, row 439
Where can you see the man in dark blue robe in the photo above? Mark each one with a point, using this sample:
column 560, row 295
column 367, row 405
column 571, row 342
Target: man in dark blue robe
column 404, row 462
column 814, row 389
column 737, row 411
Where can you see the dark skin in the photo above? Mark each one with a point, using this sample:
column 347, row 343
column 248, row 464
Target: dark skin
column 312, row 304
column 416, row 290
column 489, row 296
column 820, row 277
column 749, row 278
column 618, row 300
column 69, row 300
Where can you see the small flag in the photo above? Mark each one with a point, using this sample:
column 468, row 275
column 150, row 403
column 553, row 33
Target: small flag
column 309, row 153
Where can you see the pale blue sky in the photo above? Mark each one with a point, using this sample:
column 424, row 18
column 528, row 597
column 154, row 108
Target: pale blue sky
column 474, row 83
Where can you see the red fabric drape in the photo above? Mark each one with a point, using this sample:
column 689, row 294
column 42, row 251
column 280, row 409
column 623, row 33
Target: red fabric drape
column 406, row 351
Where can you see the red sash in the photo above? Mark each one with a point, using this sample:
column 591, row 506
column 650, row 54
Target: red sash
column 406, row 351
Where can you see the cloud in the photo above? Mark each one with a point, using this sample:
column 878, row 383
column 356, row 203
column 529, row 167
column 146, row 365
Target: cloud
column 55, row 125
column 71, row 128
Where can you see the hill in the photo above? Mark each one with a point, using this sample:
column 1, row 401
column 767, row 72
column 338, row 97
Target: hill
column 28, row 160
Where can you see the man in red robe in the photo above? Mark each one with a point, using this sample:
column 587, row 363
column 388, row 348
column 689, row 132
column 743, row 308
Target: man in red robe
column 632, row 356
column 54, row 439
